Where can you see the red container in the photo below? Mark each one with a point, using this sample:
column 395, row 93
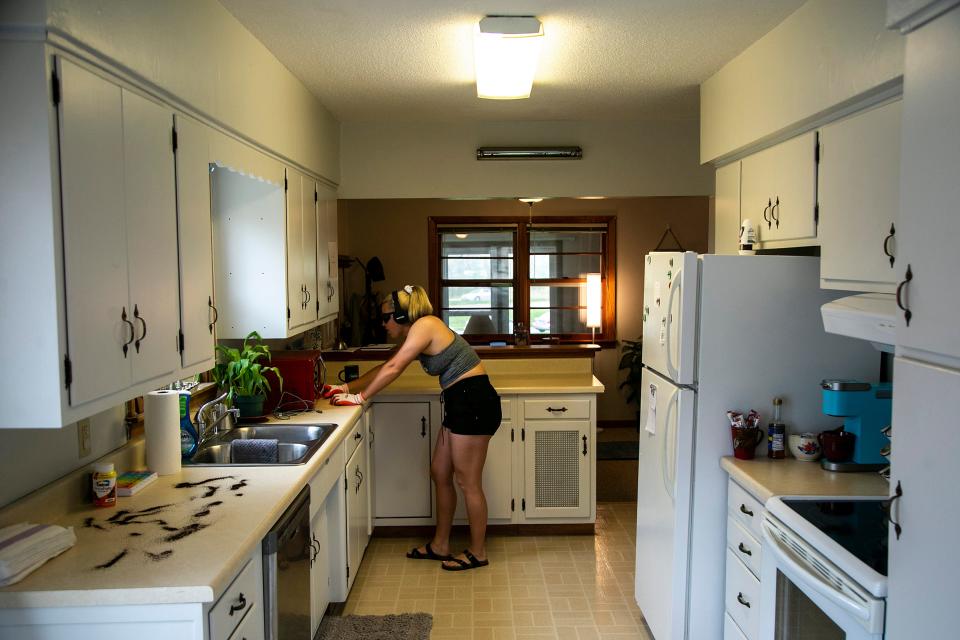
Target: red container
column 302, row 373
column 745, row 441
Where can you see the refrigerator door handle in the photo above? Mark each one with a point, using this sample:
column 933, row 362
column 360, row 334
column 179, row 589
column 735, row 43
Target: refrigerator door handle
column 664, row 474
column 677, row 284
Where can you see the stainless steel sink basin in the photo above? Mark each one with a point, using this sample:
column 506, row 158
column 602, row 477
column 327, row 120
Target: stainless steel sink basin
column 219, row 454
column 297, row 443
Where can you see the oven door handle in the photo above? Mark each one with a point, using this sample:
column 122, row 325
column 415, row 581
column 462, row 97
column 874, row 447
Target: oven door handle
column 786, row 557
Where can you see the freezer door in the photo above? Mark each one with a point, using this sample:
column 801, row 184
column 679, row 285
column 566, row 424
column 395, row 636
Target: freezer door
column 670, row 314
column 663, row 504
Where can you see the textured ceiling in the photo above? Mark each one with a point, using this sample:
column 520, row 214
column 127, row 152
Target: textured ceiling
column 412, row 60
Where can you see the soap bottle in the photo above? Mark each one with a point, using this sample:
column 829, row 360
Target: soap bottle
column 776, row 433
column 189, row 440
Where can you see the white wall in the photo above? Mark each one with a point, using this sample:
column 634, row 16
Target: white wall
column 31, row 458
column 826, row 53
column 438, row 160
column 202, row 57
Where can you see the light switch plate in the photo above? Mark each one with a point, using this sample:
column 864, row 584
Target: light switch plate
column 83, row 437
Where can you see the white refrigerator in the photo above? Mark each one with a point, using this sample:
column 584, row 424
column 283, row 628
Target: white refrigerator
column 719, row 333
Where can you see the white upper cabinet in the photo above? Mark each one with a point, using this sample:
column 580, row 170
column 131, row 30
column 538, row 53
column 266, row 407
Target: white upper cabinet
column 778, row 192
column 110, row 229
column 859, row 193
column 198, row 312
column 726, row 221
column 301, row 197
column 927, row 258
column 328, row 273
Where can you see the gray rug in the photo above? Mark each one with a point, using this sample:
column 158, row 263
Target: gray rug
column 403, row 626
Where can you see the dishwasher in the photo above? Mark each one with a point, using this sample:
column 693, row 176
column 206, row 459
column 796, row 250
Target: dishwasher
column 286, row 573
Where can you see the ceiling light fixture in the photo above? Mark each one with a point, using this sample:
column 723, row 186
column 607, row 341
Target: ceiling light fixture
column 505, row 51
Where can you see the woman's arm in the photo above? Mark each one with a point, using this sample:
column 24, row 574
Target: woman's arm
column 361, row 383
column 418, row 339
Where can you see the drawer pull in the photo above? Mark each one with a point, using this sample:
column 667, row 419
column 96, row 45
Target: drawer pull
column 741, row 600
column 560, row 410
column 240, row 606
column 744, row 550
column 743, row 509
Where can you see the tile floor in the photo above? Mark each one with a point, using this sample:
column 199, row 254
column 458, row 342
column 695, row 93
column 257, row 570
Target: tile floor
column 543, row 587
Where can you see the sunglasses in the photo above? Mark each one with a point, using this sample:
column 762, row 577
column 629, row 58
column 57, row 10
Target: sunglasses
column 385, row 317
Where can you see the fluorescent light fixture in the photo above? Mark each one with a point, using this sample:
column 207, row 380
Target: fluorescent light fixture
column 505, row 52
column 593, row 304
column 462, row 236
column 530, row 200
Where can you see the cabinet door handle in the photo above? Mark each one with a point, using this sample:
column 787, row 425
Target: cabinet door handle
column 744, row 550
column 136, row 314
column 584, row 445
column 216, row 314
column 743, row 509
column 240, row 606
column 133, row 332
column 888, row 509
column 358, row 436
column 423, row 427
column 773, row 212
column 886, row 245
column 741, row 600
column 907, row 314
column 307, row 291
column 560, row 410
column 765, row 210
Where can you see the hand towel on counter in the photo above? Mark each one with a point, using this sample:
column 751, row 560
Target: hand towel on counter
column 24, row 547
column 256, row 451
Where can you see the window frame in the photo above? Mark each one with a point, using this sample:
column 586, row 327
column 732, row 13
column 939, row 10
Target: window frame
column 521, row 282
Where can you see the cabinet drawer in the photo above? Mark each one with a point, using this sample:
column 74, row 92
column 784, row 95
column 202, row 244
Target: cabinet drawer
column 744, row 546
column 324, row 479
column 353, row 439
column 235, row 602
column 745, row 509
column 251, row 627
column 560, row 408
column 742, row 597
column 730, row 629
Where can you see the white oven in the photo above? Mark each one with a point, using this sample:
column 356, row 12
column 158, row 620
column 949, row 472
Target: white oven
column 824, row 569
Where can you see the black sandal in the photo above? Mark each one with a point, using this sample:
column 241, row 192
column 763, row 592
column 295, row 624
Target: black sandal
column 463, row 565
column 416, row 554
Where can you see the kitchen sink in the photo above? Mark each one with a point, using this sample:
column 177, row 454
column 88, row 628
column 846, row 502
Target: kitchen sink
column 297, row 443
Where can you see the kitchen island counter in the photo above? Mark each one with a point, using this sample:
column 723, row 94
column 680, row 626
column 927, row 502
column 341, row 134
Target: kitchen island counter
column 765, row 478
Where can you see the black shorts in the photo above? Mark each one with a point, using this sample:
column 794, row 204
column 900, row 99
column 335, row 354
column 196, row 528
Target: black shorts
column 471, row 407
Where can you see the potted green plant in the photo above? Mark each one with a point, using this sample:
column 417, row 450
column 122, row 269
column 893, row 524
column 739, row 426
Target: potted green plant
column 631, row 359
column 241, row 374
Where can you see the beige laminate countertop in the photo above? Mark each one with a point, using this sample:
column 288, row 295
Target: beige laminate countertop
column 222, row 530
column 544, row 383
column 765, row 478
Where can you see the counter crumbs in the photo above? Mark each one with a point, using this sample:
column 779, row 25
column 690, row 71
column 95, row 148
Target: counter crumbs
column 115, row 560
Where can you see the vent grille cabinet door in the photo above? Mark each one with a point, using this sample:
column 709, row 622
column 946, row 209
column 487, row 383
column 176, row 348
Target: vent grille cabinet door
column 558, row 478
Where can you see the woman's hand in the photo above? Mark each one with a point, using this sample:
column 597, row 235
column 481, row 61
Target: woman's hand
column 347, row 399
column 330, row 390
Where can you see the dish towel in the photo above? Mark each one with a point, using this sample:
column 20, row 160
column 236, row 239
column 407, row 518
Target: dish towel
column 24, row 547
column 254, row 451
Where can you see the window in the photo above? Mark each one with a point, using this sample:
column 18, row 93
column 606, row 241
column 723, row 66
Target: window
column 488, row 275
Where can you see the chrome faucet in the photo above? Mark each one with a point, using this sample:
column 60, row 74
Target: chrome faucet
column 206, row 430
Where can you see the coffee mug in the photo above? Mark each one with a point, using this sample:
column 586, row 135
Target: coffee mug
column 805, row 447
column 837, row 445
column 349, row 372
column 745, row 441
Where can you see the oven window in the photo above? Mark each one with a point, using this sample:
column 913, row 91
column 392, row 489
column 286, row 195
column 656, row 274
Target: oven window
column 798, row 618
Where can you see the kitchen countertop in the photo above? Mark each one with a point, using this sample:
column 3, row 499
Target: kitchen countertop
column 503, row 383
column 192, row 539
column 765, row 478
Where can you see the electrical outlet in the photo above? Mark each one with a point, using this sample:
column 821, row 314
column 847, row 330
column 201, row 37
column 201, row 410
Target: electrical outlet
column 83, row 437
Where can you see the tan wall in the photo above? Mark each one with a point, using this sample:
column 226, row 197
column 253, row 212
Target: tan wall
column 396, row 232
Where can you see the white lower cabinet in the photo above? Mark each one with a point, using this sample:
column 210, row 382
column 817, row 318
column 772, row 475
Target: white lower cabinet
column 539, row 466
column 358, row 505
column 744, row 554
column 319, row 569
column 401, row 434
column 243, row 599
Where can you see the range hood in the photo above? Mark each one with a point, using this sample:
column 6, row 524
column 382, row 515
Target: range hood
column 868, row 316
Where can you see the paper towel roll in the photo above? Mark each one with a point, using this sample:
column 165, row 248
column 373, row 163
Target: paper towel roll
column 161, row 425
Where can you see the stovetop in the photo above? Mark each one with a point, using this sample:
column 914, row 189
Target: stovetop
column 859, row 526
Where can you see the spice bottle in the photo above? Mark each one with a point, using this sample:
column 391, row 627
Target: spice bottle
column 776, row 433
column 104, row 485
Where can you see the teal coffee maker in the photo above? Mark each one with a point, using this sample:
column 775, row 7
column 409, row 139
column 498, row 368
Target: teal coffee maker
column 865, row 408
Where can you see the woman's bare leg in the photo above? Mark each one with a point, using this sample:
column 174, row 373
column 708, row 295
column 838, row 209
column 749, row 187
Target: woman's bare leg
column 441, row 471
column 469, row 453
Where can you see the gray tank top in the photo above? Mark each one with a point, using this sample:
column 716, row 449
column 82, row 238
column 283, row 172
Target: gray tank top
column 451, row 363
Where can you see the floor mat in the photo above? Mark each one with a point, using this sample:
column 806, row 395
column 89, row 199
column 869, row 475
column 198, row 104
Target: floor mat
column 618, row 450
column 404, row 626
